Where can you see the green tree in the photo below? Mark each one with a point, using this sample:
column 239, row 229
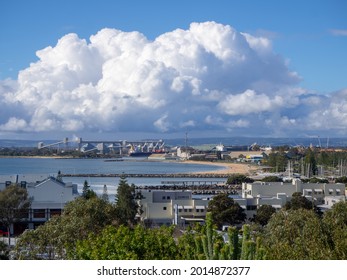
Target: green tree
column 272, row 179
column 298, row 201
column 248, row 245
column 225, row 210
column 58, row 236
column 335, row 222
column 311, row 163
column 14, row 205
column 316, row 180
column 105, row 193
column 238, row 179
column 47, row 241
column 264, row 213
column 278, row 161
column 125, row 243
column 323, row 159
column 87, row 192
column 4, row 251
column 126, row 206
column 342, row 179
column 296, row 235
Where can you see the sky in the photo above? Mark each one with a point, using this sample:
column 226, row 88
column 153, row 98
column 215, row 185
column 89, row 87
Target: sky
column 136, row 69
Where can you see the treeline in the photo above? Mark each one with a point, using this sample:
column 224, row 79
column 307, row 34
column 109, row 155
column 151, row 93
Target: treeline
column 32, row 151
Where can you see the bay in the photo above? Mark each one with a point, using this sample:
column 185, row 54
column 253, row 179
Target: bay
column 51, row 166
column 94, row 166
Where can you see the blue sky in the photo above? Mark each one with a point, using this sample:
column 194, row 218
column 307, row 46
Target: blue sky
column 302, row 31
column 309, row 37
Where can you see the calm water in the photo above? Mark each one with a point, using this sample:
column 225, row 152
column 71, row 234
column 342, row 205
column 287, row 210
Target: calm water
column 90, row 166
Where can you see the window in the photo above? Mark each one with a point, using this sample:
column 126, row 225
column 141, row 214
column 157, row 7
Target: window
column 39, row 213
column 168, row 197
column 164, row 197
column 55, row 212
column 164, row 208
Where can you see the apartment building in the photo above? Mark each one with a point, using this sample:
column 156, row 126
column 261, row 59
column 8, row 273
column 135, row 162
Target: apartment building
column 48, row 197
column 276, row 194
column 164, row 207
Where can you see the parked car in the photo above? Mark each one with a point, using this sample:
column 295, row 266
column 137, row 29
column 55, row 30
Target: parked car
column 3, row 233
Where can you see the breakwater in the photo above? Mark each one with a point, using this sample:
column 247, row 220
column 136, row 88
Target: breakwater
column 166, row 175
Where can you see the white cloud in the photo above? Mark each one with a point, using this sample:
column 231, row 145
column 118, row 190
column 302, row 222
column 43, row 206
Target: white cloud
column 14, row 124
column 246, row 103
column 162, row 124
column 209, row 76
column 189, row 123
column 331, row 114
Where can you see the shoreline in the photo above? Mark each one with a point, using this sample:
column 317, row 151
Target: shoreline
column 229, row 167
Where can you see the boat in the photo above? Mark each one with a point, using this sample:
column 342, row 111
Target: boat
column 146, row 149
column 139, row 154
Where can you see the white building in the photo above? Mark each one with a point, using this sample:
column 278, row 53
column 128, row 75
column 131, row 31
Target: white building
column 48, row 197
column 277, row 194
column 161, row 207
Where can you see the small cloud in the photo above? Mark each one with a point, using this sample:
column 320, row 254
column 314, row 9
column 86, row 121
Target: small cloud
column 162, row 124
column 338, row 32
column 189, row 123
column 14, row 124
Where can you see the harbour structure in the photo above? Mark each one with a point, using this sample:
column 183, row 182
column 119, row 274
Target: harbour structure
column 121, row 147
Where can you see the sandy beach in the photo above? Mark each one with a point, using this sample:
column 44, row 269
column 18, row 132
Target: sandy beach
column 229, row 168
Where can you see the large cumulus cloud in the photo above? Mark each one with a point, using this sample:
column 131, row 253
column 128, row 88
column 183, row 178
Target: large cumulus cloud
column 209, row 76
